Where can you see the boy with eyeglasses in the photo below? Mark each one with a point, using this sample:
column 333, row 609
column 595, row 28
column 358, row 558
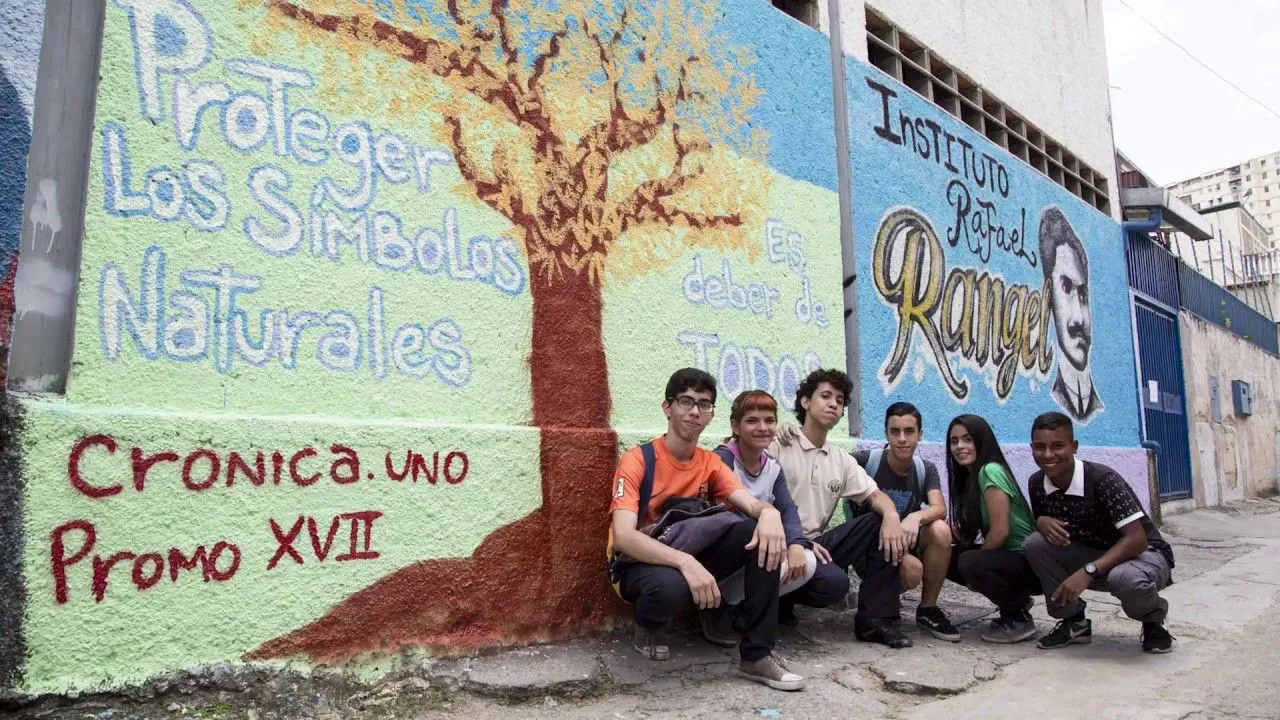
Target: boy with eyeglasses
column 662, row 581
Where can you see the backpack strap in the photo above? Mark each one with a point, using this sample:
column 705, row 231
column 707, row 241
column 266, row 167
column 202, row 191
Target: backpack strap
column 646, row 484
column 920, row 472
column 873, row 461
column 873, row 464
column 726, row 455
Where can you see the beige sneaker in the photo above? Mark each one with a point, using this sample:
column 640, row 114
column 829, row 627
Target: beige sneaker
column 770, row 671
column 652, row 644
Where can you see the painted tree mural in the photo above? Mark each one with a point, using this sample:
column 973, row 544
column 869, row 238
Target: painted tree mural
column 608, row 133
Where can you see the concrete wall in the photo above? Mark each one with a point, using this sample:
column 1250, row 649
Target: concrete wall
column 363, row 323
column 1237, row 457
column 997, row 43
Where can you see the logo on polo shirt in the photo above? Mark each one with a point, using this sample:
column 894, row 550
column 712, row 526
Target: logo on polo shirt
column 835, row 485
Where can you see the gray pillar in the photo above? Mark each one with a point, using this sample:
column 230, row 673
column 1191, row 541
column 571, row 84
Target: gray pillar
column 44, row 292
column 848, row 249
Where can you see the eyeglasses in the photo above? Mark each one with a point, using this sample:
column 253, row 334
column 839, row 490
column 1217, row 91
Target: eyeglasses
column 687, row 403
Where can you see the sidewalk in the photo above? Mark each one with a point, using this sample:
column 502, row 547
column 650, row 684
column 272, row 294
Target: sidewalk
column 1227, row 581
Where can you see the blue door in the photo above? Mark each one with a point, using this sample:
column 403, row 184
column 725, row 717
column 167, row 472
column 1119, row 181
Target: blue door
column 1163, row 401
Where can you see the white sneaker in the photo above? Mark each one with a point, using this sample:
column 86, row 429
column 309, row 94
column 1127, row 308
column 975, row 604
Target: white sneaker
column 770, row 671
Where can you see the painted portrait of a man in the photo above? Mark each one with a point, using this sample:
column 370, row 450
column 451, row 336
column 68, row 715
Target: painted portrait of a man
column 1066, row 273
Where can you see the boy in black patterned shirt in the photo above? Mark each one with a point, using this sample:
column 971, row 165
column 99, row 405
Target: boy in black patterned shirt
column 1094, row 534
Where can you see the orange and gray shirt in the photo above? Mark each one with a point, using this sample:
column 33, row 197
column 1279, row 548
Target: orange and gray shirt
column 704, row 476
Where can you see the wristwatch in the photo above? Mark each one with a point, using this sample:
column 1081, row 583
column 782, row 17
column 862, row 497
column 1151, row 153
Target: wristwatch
column 1092, row 570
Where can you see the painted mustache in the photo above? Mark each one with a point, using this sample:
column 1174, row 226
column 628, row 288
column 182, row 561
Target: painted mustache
column 1077, row 331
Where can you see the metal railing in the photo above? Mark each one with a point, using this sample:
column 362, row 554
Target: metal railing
column 1156, row 273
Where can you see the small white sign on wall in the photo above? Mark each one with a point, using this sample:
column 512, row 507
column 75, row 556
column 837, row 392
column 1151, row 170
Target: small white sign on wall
column 1153, row 391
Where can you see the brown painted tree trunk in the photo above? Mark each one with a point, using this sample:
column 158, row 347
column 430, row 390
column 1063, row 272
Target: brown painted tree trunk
column 540, row 578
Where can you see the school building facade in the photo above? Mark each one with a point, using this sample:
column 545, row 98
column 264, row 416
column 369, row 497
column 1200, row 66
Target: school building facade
column 330, row 319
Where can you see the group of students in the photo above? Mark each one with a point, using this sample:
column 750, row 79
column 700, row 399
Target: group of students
column 741, row 533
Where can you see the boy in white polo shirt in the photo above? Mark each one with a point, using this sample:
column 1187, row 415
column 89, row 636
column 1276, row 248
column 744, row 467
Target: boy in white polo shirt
column 821, row 475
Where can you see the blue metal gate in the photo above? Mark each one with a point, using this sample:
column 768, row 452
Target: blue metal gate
column 1163, row 402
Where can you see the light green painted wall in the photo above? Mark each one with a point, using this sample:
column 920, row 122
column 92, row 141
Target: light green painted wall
column 158, row 403
column 133, row 634
column 652, row 311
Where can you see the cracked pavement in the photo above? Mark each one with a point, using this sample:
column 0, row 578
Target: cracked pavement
column 1224, row 665
column 1225, row 590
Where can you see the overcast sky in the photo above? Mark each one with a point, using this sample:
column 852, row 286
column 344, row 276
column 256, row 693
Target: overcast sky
column 1174, row 118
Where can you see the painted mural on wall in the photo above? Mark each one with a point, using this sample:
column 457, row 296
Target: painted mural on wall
column 20, row 38
column 997, row 291
column 366, row 289
column 19, row 60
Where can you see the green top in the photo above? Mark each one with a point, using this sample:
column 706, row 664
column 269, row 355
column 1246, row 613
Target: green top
column 1020, row 523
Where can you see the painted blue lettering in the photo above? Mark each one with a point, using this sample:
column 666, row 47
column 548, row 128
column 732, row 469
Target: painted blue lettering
column 407, row 347
column 289, row 331
column 186, row 332
column 339, row 350
column 278, row 80
column 352, row 145
column 169, row 38
column 338, row 234
column 262, row 181
column 246, row 122
column 308, row 131
column 207, row 205
column 117, row 310
column 261, row 352
column 391, row 251
column 189, row 104
column 118, row 197
column 377, row 334
column 508, row 272
column 452, row 361
column 226, row 285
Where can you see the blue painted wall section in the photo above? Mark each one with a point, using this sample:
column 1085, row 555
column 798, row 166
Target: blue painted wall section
column 19, row 60
column 985, row 287
column 20, row 35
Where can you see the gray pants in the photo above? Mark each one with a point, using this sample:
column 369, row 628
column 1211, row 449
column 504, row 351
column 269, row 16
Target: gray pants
column 1135, row 583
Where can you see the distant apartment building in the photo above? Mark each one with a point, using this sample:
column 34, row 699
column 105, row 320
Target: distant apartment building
column 1228, row 256
column 1254, row 184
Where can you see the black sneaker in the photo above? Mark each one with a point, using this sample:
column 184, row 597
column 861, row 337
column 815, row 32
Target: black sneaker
column 1155, row 639
column 1067, row 632
column 717, row 627
column 935, row 622
column 885, row 632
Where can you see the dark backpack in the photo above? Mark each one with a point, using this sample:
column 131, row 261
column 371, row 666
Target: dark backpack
column 674, row 511
column 874, row 459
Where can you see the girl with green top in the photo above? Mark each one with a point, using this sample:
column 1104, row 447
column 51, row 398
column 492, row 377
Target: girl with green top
column 986, row 501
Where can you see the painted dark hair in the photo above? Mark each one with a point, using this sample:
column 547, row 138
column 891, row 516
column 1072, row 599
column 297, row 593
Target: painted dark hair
column 690, row 379
column 1056, row 231
column 903, row 409
column 837, row 379
column 966, row 496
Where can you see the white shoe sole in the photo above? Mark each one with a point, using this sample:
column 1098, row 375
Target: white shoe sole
column 787, row 685
column 659, row 654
